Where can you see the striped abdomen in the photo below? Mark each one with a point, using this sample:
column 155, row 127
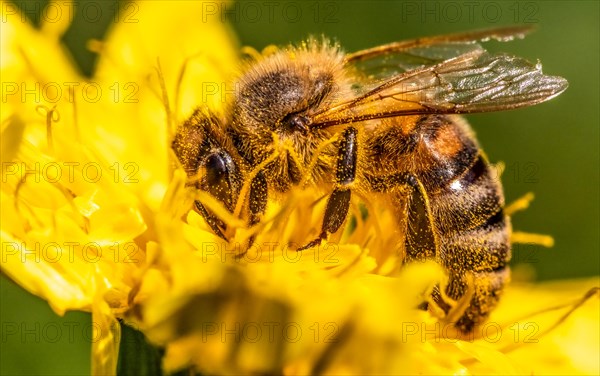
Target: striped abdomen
column 451, row 205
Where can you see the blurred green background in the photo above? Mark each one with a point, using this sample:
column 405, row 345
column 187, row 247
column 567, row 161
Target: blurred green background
column 550, row 149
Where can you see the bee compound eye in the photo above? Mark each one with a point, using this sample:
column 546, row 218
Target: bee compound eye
column 221, row 176
column 216, row 167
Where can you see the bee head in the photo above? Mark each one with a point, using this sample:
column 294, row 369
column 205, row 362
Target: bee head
column 274, row 103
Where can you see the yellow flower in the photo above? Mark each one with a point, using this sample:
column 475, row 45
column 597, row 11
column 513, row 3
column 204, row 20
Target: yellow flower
column 80, row 196
column 95, row 217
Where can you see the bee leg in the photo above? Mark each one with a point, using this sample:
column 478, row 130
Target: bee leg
column 258, row 200
column 258, row 197
column 421, row 242
column 213, row 221
column 339, row 201
column 413, row 210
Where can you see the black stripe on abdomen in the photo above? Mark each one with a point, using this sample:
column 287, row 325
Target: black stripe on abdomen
column 482, row 249
column 468, row 201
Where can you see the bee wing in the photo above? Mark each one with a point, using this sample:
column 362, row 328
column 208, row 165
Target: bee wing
column 376, row 69
column 476, row 81
column 459, row 40
column 376, row 64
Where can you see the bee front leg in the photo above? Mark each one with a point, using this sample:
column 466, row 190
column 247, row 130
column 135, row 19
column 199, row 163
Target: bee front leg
column 212, row 220
column 258, row 197
column 339, row 201
column 258, row 201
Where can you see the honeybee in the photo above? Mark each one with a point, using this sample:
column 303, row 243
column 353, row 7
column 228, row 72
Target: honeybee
column 383, row 122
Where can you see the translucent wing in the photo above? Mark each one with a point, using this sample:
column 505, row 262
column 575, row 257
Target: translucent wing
column 476, row 81
column 378, row 68
column 378, row 63
column 501, row 34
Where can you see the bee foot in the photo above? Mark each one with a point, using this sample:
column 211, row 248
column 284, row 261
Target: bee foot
column 314, row 243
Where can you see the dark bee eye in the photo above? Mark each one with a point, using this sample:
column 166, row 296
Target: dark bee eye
column 221, row 177
column 296, row 122
column 216, row 168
